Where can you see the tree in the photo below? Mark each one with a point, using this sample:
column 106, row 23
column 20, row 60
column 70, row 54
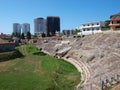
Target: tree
column 107, row 22
column 17, row 34
column 76, row 31
column 35, row 36
column 28, row 35
column 43, row 34
column 13, row 34
column 22, row 36
column 63, row 32
column 106, row 25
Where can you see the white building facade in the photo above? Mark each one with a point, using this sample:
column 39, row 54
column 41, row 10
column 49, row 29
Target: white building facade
column 39, row 26
column 25, row 28
column 16, row 28
column 91, row 28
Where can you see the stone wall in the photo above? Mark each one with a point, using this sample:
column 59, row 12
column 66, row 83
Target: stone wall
column 7, row 47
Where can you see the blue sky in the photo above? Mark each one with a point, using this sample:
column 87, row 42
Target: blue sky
column 71, row 12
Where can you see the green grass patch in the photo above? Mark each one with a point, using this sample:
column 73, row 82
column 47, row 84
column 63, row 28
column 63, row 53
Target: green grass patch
column 37, row 72
column 105, row 28
column 28, row 49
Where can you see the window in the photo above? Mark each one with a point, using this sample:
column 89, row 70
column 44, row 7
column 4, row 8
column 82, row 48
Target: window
column 112, row 22
column 83, row 29
column 88, row 29
column 83, row 25
column 118, row 22
column 97, row 23
column 97, row 28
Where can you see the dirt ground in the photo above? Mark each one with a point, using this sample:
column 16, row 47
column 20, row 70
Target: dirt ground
column 116, row 87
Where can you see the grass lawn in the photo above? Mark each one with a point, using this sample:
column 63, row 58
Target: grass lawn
column 37, row 72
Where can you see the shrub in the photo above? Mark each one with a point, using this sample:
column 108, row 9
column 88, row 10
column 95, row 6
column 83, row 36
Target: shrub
column 39, row 53
column 10, row 55
column 28, row 49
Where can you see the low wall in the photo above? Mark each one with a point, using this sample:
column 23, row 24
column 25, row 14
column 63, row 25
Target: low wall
column 7, row 47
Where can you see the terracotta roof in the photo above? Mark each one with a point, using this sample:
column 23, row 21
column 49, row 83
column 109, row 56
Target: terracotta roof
column 115, row 15
column 4, row 36
column 3, row 41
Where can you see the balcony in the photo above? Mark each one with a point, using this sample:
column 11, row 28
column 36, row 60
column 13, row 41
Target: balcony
column 91, row 26
column 114, row 24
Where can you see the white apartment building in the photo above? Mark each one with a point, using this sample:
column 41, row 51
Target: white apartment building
column 91, row 28
column 39, row 26
column 25, row 28
column 16, row 28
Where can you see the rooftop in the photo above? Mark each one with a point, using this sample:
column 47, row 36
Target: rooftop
column 92, row 22
column 3, row 41
column 115, row 16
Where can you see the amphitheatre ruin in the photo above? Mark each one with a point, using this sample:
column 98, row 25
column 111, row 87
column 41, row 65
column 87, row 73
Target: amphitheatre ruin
column 96, row 56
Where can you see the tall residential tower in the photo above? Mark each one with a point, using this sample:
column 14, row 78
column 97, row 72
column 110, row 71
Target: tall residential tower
column 39, row 26
column 16, row 28
column 53, row 25
column 25, row 28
